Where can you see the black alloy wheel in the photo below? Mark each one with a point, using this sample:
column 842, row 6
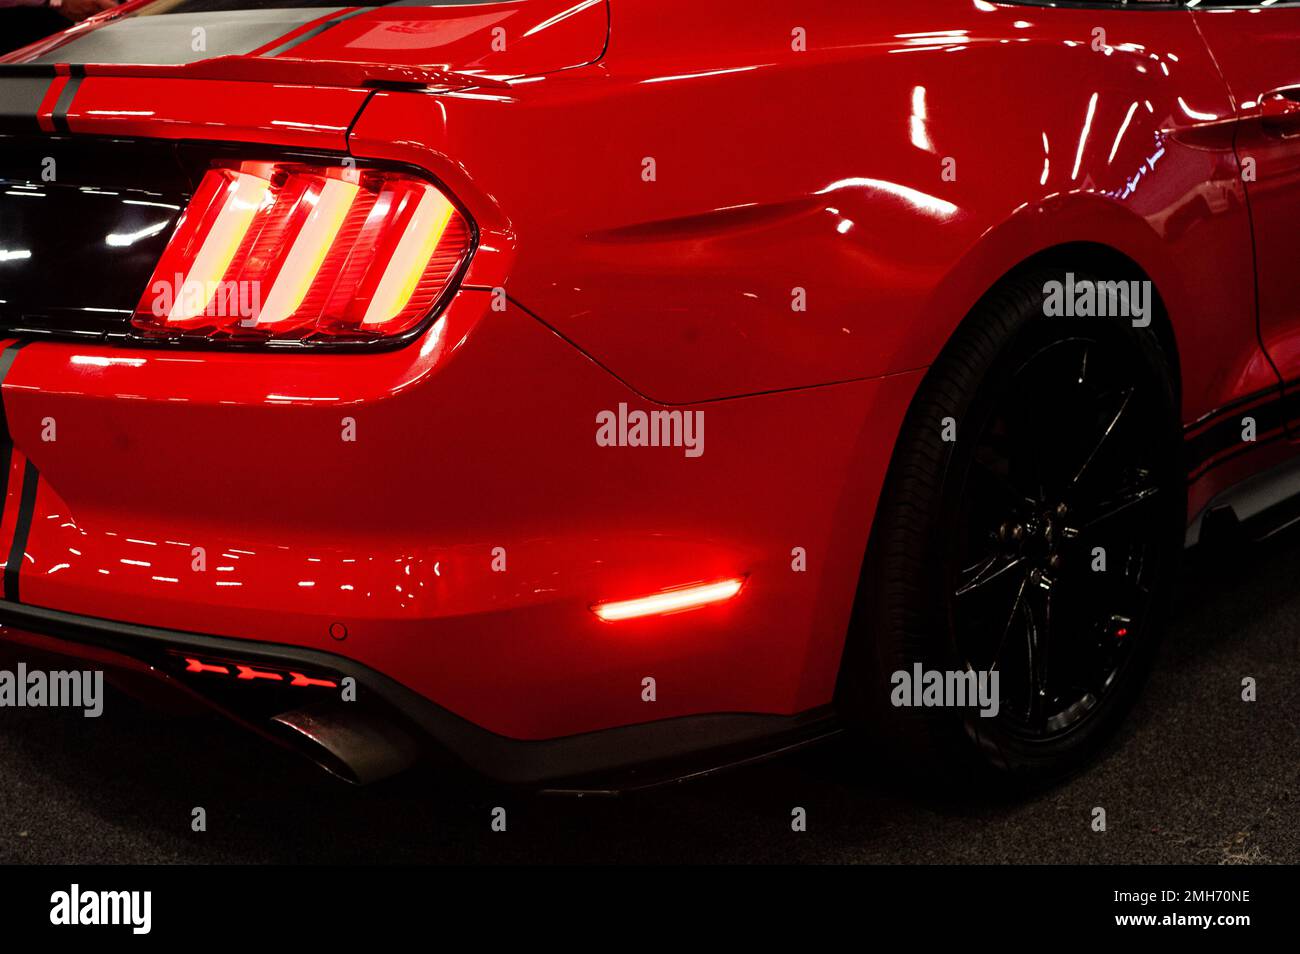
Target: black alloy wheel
column 1059, row 536
column 1030, row 526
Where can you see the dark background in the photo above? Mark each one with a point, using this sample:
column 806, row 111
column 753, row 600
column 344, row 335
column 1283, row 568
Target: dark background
column 1197, row 776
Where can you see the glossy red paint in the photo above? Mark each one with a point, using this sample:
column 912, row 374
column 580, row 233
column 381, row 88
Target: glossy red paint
column 501, row 40
column 889, row 175
column 309, row 117
column 394, row 533
column 1259, row 74
column 891, row 254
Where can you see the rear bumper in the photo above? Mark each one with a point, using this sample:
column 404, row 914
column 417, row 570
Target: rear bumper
column 455, row 547
column 612, row 759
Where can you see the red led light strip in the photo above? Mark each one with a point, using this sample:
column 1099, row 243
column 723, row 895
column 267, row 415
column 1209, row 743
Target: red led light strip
column 670, row 601
column 249, row 673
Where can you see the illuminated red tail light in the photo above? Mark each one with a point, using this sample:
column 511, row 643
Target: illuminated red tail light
column 270, row 251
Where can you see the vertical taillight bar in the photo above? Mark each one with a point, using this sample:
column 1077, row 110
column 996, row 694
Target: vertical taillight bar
column 295, row 252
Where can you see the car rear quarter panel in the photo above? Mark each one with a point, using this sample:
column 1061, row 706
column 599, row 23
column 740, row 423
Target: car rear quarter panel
column 889, row 174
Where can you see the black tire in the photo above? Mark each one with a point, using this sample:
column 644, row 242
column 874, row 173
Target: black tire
column 940, row 504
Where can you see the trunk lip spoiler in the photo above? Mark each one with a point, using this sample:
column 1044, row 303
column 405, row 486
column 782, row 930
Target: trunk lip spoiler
column 256, row 69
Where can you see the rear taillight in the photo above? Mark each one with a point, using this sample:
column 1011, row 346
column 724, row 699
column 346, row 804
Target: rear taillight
column 271, row 251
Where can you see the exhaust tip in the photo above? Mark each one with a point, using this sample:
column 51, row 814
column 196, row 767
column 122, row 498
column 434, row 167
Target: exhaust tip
column 357, row 746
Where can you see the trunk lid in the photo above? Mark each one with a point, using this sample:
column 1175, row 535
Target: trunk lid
column 105, row 128
column 493, row 40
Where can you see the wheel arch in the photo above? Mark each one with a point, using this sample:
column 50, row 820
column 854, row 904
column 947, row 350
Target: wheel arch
column 1109, row 263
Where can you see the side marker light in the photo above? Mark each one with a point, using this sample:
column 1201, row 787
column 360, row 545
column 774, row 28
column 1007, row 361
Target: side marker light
column 670, row 601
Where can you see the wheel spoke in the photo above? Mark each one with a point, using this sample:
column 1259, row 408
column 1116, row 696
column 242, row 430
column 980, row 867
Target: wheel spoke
column 1105, row 436
column 1037, row 635
column 979, row 577
column 1016, row 604
column 1134, row 499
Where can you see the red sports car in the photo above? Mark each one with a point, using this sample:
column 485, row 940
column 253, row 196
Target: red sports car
column 602, row 390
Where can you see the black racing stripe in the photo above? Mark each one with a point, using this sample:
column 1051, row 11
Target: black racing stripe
column 1226, row 433
column 64, row 103
column 23, row 527
column 1278, row 408
column 28, row 69
column 165, row 40
column 7, row 358
column 315, row 31
column 1246, row 447
column 20, row 102
column 1290, row 402
column 1218, row 434
column 1273, row 393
